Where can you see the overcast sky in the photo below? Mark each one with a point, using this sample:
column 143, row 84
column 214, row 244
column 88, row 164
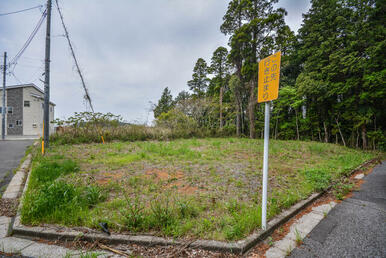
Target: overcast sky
column 128, row 50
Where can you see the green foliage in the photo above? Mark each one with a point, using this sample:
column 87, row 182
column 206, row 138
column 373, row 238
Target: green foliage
column 165, row 103
column 177, row 121
column 331, row 81
column 199, row 82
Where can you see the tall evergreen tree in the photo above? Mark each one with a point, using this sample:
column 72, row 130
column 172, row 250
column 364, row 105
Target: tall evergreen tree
column 199, row 82
column 219, row 68
column 165, row 103
column 254, row 40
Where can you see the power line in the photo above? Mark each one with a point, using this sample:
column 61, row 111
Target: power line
column 30, row 38
column 14, row 76
column 38, row 6
column 86, row 94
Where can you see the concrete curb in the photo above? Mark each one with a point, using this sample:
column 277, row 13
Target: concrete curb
column 237, row 247
column 14, row 189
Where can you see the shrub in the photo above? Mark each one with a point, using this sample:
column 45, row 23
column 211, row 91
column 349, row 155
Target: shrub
column 86, row 127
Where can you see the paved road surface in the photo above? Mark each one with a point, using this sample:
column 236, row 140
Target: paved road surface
column 10, row 154
column 354, row 228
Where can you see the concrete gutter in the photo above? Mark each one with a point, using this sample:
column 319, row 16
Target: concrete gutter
column 51, row 232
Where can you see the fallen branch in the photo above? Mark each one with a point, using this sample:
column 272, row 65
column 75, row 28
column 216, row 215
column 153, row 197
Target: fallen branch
column 113, row 250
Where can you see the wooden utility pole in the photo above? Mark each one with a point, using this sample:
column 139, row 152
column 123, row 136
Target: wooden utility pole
column 3, row 109
column 47, row 78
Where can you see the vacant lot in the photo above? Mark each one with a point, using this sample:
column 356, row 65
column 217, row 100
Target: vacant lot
column 205, row 188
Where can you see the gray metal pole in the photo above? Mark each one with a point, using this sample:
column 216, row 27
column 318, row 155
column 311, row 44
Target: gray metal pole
column 265, row 166
column 47, row 79
column 3, row 109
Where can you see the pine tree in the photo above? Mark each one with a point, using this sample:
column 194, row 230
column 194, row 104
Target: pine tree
column 199, row 82
column 165, row 103
column 219, row 68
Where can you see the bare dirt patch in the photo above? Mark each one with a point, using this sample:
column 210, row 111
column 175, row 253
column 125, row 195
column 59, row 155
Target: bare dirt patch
column 107, row 177
column 174, row 179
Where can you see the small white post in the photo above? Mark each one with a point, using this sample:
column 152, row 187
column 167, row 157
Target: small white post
column 265, row 166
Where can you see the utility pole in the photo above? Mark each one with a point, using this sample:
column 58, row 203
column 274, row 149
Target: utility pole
column 47, row 79
column 3, row 109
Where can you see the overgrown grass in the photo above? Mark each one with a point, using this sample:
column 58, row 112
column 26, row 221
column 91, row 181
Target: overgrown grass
column 53, row 200
column 206, row 188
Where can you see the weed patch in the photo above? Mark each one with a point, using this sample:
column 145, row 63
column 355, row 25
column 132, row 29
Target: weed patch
column 53, row 200
column 207, row 188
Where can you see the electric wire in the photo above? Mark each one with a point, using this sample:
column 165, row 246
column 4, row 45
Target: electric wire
column 86, row 95
column 28, row 42
column 4, row 14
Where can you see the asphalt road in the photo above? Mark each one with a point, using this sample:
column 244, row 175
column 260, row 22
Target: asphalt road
column 11, row 153
column 354, row 228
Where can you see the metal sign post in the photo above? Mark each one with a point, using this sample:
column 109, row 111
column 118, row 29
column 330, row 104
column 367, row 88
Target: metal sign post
column 265, row 165
column 268, row 90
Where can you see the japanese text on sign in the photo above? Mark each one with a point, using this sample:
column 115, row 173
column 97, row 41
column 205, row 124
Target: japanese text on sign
column 269, row 73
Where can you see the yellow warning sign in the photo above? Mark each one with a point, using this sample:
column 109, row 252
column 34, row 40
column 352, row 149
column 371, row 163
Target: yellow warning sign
column 269, row 73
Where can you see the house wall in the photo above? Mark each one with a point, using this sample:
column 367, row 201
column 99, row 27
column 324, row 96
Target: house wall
column 15, row 100
column 33, row 115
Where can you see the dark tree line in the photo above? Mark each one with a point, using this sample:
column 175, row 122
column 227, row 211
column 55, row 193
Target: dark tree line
column 332, row 82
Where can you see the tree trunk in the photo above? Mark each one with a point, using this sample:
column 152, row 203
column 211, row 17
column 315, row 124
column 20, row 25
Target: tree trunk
column 238, row 118
column 336, row 138
column 357, row 143
column 325, row 132
column 320, row 137
column 277, row 122
column 312, row 133
column 251, row 109
column 297, row 126
column 340, row 132
column 364, row 140
column 221, row 96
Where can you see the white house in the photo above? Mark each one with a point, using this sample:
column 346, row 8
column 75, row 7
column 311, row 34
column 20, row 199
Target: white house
column 25, row 109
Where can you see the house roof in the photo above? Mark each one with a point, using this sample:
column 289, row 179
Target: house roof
column 25, row 86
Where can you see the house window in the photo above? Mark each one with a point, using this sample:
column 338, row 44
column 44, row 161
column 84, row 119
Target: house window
column 10, row 110
column 1, row 110
column 10, row 125
column 19, row 122
column 51, row 109
column 34, row 125
column 42, row 105
column 26, row 103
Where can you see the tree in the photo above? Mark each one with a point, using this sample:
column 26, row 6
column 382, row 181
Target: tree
column 232, row 21
column 165, row 103
column 219, row 68
column 182, row 96
column 234, row 85
column 199, row 82
column 255, row 40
